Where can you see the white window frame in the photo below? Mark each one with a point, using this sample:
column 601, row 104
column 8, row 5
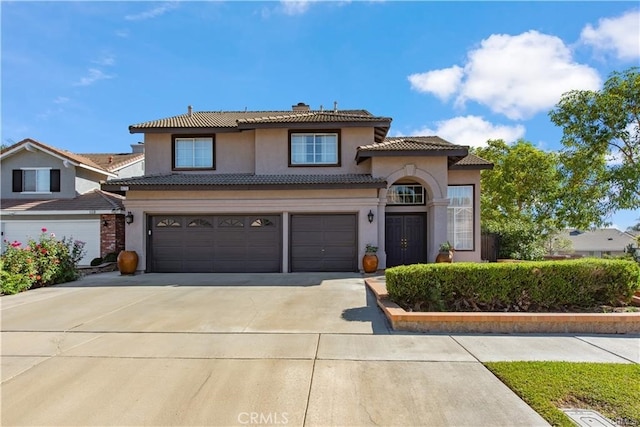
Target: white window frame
column 461, row 218
column 189, row 158
column 315, row 152
column 406, row 195
column 43, row 181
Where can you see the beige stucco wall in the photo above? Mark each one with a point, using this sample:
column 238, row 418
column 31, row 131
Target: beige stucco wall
column 261, row 151
column 281, row 202
column 234, row 153
column 87, row 180
column 466, row 177
column 36, row 159
column 135, row 169
column 272, row 152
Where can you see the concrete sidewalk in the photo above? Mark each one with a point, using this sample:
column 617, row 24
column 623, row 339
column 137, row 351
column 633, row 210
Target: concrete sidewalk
column 308, row 349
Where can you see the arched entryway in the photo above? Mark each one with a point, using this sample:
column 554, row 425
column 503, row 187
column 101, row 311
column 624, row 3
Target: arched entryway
column 406, row 223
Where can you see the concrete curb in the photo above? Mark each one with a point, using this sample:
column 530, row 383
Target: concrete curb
column 483, row 322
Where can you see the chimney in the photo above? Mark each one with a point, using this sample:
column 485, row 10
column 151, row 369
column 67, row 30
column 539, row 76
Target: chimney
column 110, row 159
column 300, row 106
column 335, row 106
column 189, row 110
column 137, row 148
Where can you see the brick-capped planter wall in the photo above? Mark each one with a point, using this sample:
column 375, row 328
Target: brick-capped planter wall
column 111, row 233
column 503, row 323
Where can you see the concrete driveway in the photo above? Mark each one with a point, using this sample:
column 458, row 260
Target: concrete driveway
column 263, row 349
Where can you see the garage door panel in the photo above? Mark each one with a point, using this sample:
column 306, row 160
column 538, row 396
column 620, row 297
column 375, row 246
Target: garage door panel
column 324, row 242
column 216, row 243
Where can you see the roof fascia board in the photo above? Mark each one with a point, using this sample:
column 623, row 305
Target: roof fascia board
column 32, row 212
column 470, row 167
column 65, row 160
column 244, row 187
column 363, row 155
column 197, row 131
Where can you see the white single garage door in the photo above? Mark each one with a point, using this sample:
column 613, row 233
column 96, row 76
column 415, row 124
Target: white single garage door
column 86, row 230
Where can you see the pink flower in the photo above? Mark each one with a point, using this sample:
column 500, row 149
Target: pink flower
column 53, row 235
column 44, row 230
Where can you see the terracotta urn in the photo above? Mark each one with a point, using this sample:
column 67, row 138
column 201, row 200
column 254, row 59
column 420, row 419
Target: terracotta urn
column 445, row 257
column 370, row 262
column 127, row 262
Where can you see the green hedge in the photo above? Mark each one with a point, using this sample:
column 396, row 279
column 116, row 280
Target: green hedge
column 526, row 286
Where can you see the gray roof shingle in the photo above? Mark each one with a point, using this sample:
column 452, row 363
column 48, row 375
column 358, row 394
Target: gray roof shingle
column 95, row 200
column 412, row 143
column 232, row 181
column 237, row 119
column 472, row 161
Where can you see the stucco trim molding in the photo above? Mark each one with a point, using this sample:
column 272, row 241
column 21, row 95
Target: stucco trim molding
column 410, row 171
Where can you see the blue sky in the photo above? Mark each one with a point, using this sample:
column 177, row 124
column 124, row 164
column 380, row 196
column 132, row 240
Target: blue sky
column 76, row 74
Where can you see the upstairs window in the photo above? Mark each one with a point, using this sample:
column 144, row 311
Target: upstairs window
column 193, row 152
column 36, row 180
column 314, row 149
column 460, row 217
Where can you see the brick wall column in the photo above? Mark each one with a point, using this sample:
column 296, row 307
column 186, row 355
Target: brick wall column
column 111, row 233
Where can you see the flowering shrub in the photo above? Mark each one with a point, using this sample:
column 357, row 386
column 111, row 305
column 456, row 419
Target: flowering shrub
column 45, row 262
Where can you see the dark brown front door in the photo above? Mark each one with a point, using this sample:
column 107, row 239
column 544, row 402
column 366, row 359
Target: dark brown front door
column 405, row 239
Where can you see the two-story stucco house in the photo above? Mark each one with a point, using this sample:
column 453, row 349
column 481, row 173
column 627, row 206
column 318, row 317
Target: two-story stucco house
column 296, row 190
column 46, row 187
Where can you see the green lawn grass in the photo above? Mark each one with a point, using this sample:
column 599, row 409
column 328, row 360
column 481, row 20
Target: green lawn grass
column 612, row 389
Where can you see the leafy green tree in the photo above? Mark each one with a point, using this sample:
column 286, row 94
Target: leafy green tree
column 601, row 139
column 526, row 198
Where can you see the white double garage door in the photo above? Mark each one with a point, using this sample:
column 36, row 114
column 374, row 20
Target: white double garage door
column 252, row 243
column 85, row 230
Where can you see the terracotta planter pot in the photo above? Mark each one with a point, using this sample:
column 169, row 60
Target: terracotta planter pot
column 370, row 263
column 127, row 262
column 445, row 257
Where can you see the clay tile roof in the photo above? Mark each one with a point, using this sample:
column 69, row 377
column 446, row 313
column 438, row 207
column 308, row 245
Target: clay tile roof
column 95, row 200
column 411, row 145
column 472, row 162
column 234, row 119
column 113, row 161
column 232, row 181
column 75, row 158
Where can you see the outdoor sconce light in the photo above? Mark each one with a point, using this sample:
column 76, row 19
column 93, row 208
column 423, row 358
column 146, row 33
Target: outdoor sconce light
column 370, row 216
column 128, row 218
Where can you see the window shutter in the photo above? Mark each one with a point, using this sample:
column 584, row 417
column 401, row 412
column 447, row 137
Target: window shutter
column 17, row 181
column 54, row 180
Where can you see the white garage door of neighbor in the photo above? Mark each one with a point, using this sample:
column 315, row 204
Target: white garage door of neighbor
column 86, row 230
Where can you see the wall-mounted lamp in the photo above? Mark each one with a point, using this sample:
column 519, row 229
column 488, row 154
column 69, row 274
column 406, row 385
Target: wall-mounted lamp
column 370, row 216
column 128, row 218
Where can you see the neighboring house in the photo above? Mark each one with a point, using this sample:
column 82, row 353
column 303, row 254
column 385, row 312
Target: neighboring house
column 45, row 187
column 598, row 242
column 297, row 190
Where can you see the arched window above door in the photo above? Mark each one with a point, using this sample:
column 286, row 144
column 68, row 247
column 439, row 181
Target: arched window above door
column 406, row 194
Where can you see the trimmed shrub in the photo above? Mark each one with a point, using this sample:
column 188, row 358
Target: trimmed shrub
column 110, row 257
column 527, row 286
column 95, row 262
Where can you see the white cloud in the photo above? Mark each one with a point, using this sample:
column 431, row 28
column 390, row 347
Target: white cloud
column 473, row 131
column 295, row 7
column 106, row 59
column 122, row 33
column 61, row 100
column 94, row 75
column 152, row 13
column 620, row 34
column 442, row 83
column 517, row 76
